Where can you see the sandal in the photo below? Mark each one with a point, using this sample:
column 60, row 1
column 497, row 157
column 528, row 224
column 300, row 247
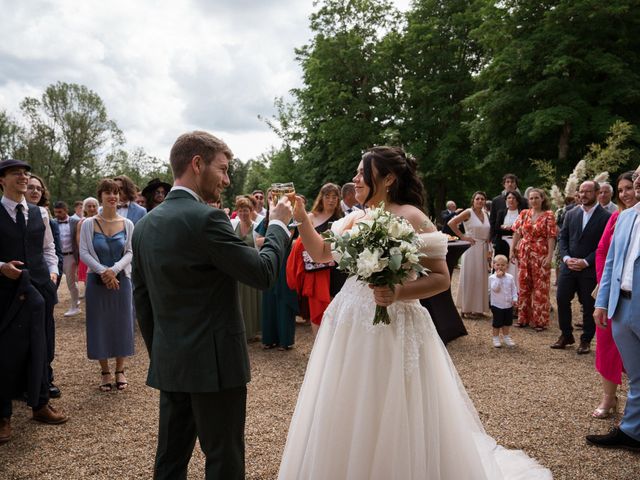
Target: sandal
column 603, row 412
column 269, row 347
column 121, row 385
column 106, row 387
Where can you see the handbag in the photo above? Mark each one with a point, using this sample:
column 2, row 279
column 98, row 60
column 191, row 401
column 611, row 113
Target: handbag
column 97, row 278
column 311, row 266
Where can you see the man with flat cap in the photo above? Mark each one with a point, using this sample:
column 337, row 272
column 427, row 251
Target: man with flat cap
column 28, row 271
column 187, row 262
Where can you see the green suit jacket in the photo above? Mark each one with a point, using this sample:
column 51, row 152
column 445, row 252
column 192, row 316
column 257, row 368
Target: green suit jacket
column 187, row 263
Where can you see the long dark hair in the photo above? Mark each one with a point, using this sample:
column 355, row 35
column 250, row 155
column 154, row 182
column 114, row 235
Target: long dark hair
column 624, row 176
column 408, row 188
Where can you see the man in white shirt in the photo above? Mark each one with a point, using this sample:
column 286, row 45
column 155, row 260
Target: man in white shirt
column 77, row 209
column 349, row 202
column 26, row 242
column 69, row 247
column 604, row 198
column 619, row 299
column 259, row 196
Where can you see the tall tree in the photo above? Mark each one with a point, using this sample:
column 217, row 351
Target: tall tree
column 68, row 132
column 439, row 58
column 342, row 104
column 561, row 73
column 9, row 135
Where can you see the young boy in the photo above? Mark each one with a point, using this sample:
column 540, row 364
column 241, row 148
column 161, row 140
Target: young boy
column 503, row 297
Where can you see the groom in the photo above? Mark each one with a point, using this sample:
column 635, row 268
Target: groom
column 186, row 267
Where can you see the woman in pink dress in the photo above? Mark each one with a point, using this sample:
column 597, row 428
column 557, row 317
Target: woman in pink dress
column 89, row 209
column 608, row 361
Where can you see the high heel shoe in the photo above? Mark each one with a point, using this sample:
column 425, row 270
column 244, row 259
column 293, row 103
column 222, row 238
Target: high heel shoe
column 605, row 412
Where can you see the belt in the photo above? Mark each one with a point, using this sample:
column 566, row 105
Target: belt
column 625, row 294
column 67, row 253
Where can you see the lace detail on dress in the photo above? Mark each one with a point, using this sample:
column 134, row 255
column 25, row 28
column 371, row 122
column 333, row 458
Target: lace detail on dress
column 410, row 321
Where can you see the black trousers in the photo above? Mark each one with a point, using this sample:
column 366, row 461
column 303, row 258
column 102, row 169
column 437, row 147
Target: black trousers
column 48, row 292
column 217, row 419
column 582, row 283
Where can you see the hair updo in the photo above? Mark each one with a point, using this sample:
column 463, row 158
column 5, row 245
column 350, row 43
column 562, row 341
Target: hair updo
column 408, row 188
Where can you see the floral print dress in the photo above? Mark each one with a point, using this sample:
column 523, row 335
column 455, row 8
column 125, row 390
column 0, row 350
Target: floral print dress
column 534, row 279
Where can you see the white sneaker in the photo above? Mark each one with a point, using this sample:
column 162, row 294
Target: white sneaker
column 508, row 342
column 72, row 312
column 496, row 342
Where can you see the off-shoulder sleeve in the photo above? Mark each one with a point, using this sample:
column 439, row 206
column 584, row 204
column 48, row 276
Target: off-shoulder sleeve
column 339, row 226
column 434, row 245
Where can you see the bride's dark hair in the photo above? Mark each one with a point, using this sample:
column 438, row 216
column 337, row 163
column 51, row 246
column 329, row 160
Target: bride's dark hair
column 408, row 188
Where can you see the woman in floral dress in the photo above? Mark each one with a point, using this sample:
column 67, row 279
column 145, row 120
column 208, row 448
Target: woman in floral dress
column 534, row 240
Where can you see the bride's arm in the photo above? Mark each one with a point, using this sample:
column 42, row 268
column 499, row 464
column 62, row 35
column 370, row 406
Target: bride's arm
column 314, row 244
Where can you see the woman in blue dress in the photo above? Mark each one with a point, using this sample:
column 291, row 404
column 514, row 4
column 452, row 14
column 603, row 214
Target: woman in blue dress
column 105, row 247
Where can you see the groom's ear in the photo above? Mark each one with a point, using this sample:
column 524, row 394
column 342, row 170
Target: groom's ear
column 197, row 164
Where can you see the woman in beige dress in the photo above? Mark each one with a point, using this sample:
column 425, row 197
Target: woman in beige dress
column 250, row 298
column 473, row 289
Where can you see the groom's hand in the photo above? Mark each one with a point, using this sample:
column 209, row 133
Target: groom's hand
column 281, row 211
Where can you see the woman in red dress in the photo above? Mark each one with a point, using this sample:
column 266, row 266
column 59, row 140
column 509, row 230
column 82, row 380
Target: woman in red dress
column 608, row 361
column 534, row 240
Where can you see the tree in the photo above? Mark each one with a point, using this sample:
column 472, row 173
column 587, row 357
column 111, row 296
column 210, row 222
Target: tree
column 560, row 73
column 343, row 105
column 9, row 136
column 68, row 132
column 439, row 57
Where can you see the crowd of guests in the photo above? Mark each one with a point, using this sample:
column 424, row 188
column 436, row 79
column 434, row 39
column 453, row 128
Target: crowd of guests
column 513, row 240
column 519, row 238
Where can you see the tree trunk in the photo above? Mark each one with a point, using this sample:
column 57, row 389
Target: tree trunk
column 563, row 142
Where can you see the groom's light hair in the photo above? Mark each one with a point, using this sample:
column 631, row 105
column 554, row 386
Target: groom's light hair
column 190, row 144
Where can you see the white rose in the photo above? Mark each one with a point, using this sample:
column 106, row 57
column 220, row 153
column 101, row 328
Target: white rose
column 370, row 262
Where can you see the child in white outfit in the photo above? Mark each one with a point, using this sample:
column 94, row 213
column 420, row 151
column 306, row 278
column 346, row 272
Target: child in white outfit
column 503, row 297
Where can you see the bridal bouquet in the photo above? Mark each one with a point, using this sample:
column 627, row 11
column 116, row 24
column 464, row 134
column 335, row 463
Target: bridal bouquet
column 380, row 250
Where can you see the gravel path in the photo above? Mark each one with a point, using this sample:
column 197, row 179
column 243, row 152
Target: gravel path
column 531, row 398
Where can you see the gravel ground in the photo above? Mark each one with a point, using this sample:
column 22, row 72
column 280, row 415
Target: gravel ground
column 531, row 398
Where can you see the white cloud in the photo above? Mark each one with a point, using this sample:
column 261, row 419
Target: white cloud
column 161, row 67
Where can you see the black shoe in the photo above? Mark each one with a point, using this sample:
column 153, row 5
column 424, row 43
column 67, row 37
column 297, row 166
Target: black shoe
column 585, row 347
column 54, row 392
column 616, row 438
column 563, row 341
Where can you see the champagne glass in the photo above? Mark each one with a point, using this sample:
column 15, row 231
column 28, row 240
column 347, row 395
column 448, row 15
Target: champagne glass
column 288, row 189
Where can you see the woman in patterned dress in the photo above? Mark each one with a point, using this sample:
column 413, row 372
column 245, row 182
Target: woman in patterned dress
column 534, row 239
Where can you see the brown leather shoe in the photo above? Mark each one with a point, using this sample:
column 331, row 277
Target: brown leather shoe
column 585, row 347
column 563, row 341
column 50, row 415
column 5, row 430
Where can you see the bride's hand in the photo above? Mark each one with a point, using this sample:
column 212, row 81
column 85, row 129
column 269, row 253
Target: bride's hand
column 383, row 295
column 299, row 212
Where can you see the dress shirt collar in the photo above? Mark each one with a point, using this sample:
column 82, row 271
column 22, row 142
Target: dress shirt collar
column 188, row 190
column 11, row 205
column 589, row 210
column 637, row 207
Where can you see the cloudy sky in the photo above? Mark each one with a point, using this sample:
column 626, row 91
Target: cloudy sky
column 161, row 67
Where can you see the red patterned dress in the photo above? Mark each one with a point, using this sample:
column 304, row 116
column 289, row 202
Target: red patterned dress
column 534, row 279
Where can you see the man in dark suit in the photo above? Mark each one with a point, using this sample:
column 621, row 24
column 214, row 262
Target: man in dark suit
column 578, row 242
column 447, row 215
column 127, row 207
column 186, row 267
column 510, row 184
column 26, row 242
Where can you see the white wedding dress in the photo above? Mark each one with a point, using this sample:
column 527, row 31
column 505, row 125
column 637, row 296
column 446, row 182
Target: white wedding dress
column 385, row 402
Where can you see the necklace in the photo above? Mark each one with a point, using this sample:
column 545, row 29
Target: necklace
column 109, row 219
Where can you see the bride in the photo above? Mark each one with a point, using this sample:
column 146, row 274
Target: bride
column 385, row 401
